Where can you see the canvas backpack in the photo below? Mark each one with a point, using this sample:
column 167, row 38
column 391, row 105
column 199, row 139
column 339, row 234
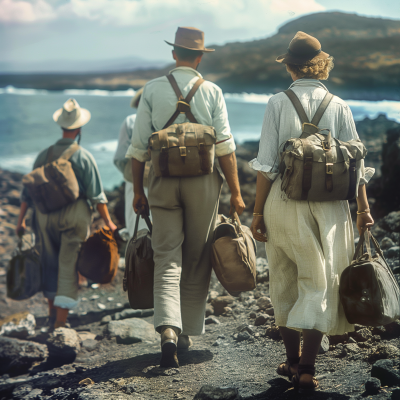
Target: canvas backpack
column 54, row 185
column 183, row 150
column 318, row 167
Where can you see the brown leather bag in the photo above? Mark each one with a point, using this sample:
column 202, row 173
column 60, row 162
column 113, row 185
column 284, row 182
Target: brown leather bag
column 317, row 167
column 54, row 185
column 98, row 258
column 186, row 149
column 368, row 290
column 233, row 256
column 139, row 268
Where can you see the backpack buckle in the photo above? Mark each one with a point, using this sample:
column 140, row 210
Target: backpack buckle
column 182, row 106
column 326, row 146
column 329, row 168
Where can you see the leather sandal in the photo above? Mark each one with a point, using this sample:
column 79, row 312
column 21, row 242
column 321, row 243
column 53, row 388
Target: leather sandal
column 308, row 387
column 169, row 339
column 284, row 368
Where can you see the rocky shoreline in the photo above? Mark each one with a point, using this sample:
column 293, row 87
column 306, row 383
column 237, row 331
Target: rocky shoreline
column 112, row 352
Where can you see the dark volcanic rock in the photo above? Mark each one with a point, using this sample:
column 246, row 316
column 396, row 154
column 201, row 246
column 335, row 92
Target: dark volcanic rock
column 220, row 303
column 385, row 372
column 64, row 344
column 383, row 351
column 273, row 332
column 17, row 356
column 131, row 330
column 19, row 325
column 209, row 392
column 212, row 320
column 372, row 385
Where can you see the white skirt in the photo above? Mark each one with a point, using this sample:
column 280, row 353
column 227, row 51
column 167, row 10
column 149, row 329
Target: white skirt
column 309, row 245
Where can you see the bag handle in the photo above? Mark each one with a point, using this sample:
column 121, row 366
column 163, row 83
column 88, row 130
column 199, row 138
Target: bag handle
column 148, row 223
column 182, row 105
column 365, row 238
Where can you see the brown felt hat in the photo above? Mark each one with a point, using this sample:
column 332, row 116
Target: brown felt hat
column 302, row 48
column 190, row 39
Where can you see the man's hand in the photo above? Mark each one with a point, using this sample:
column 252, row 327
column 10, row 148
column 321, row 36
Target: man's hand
column 364, row 221
column 140, row 204
column 258, row 226
column 237, row 204
column 111, row 225
column 21, row 228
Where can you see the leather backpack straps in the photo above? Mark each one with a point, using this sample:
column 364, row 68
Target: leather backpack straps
column 321, row 109
column 298, row 107
column 70, row 151
column 183, row 105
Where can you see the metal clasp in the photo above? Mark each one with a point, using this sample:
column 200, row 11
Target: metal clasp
column 182, row 106
column 329, row 168
column 326, row 146
column 182, row 151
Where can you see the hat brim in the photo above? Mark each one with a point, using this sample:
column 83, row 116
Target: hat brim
column 83, row 119
column 205, row 50
column 136, row 98
column 289, row 59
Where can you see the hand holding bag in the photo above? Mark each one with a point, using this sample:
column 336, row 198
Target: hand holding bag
column 368, row 290
column 139, row 268
column 233, row 256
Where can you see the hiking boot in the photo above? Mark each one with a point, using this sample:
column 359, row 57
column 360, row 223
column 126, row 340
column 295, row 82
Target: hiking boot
column 184, row 342
column 169, row 340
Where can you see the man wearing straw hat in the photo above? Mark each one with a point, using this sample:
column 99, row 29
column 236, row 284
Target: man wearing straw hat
column 125, row 165
column 62, row 232
column 184, row 210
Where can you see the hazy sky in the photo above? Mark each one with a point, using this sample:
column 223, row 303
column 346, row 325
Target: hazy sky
column 37, row 30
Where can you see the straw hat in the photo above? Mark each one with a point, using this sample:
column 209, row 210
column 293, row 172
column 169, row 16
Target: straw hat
column 190, row 39
column 136, row 98
column 302, row 48
column 71, row 115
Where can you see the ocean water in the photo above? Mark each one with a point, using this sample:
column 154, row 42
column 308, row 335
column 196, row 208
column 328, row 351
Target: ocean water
column 27, row 127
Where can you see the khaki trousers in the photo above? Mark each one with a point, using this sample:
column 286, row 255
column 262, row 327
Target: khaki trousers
column 184, row 212
column 61, row 234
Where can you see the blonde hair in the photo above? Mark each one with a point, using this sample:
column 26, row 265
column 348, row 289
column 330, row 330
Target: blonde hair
column 315, row 69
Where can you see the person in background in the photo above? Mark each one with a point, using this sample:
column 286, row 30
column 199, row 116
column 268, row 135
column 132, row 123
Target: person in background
column 308, row 243
column 184, row 210
column 61, row 232
column 125, row 164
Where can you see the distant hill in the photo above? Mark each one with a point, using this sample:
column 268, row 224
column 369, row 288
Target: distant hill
column 366, row 52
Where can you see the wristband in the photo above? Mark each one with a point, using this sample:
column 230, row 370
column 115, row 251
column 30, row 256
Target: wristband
column 363, row 211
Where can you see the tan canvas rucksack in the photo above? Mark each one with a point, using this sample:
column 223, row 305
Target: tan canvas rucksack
column 54, row 185
column 186, row 149
column 318, row 167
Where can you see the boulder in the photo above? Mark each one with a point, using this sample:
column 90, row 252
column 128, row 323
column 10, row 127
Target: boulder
column 264, row 303
column 362, row 335
column 392, row 221
column 20, row 325
column 131, row 330
column 220, row 303
column 242, row 336
column 393, row 252
column 105, row 320
column 387, row 243
column 129, row 313
column 208, row 392
column 273, row 332
column 385, row 372
column 372, row 386
column 64, row 344
column 324, row 347
column 89, row 344
column 209, row 310
column 383, row 351
column 211, row 320
column 261, row 319
column 212, row 295
column 17, row 356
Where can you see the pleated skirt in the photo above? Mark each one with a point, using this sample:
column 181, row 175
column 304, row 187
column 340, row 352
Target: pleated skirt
column 309, row 245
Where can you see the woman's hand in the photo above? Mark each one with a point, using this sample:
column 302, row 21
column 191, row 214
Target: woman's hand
column 258, row 226
column 364, row 221
column 140, row 204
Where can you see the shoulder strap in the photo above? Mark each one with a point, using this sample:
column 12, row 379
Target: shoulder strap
column 297, row 105
column 68, row 153
column 49, row 154
column 183, row 105
column 321, row 109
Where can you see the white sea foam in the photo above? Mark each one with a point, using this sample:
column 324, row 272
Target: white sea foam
column 108, row 146
column 24, row 92
column 22, row 163
column 248, row 97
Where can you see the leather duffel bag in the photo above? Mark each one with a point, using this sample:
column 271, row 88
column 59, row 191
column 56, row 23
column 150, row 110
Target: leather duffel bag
column 139, row 268
column 368, row 290
column 98, row 257
column 233, row 256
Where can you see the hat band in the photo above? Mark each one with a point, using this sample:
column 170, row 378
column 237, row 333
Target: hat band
column 305, row 55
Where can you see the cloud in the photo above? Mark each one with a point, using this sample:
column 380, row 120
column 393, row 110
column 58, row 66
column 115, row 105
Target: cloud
column 24, row 11
column 232, row 14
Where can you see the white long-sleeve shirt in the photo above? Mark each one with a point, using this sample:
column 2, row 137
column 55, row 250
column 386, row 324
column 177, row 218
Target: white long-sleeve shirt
column 158, row 103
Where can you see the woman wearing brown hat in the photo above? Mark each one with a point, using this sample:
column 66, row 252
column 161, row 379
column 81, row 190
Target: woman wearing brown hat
column 308, row 243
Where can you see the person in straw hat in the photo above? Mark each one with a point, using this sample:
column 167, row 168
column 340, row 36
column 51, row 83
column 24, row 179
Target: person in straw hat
column 308, row 243
column 62, row 232
column 125, row 165
column 184, row 210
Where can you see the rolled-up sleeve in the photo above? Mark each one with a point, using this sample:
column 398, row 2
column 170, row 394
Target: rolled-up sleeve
column 267, row 159
column 124, row 142
column 142, row 131
column 348, row 132
column 225, row 142
column 91, row 181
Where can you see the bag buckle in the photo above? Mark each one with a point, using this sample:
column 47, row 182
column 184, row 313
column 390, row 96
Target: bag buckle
column 326, row 146
column 182, row 106
column 329, row 168
column 182, row 151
